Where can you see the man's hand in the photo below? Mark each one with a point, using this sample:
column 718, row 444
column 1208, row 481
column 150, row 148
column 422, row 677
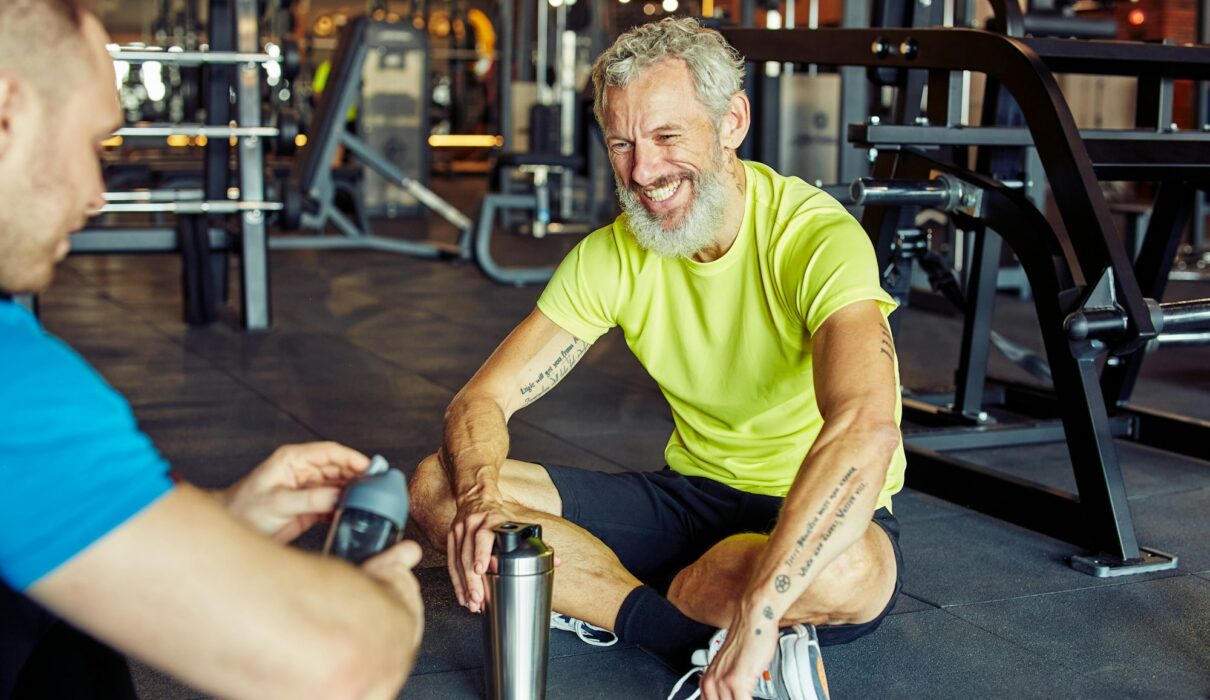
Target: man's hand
column 469, row 546
column 297, row 486
column 745, row 654
column 393, row 568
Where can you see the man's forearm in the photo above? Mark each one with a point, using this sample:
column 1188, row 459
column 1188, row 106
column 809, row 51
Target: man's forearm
column 475, row 444
column 177, row 584
column 825, row 512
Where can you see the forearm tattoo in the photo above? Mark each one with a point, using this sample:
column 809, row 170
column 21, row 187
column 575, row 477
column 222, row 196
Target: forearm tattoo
column 546, row 379
column 782, row 582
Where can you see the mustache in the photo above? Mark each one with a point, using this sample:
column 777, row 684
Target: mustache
column 664, row 182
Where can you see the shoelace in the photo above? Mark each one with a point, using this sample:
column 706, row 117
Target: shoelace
column 764, row 683
column 676, row 688
column 582, row 629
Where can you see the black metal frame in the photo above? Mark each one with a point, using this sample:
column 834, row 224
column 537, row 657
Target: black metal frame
column 1070, row 264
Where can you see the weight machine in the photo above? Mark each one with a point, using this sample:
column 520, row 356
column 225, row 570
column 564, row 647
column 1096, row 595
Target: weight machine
column 312, row 174
column 1094, row 304
column 232, row 65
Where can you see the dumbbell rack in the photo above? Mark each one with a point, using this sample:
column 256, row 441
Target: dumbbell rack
column 1075, row 266
column 233, row 64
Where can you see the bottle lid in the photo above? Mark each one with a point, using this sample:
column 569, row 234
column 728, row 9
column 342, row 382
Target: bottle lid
column 520, row 551
column 384, row 494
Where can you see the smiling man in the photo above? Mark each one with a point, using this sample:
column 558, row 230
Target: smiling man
column 96, row 541
column 754, row 302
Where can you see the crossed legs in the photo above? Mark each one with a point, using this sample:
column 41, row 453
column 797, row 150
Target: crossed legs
column 591, row 582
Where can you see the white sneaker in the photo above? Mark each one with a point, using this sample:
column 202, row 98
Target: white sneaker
column 795, row 673
column 589, row 634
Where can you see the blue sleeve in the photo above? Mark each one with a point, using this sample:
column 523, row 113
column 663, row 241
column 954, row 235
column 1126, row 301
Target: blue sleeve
column 73, row 463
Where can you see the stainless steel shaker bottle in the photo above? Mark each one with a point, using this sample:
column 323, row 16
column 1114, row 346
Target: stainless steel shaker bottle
column 516, row 617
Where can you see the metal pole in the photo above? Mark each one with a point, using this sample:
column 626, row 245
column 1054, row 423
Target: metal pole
column 504, row 75
column 254, row 248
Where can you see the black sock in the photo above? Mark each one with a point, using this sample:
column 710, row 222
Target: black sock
column 650, row 620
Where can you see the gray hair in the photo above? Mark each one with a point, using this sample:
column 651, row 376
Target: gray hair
column 717, row 68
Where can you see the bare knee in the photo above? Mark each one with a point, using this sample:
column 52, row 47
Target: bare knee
column 708, row 589
column 432, row 503
column 853, row 588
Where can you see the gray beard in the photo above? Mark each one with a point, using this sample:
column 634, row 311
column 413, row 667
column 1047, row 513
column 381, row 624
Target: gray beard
column 697, row 229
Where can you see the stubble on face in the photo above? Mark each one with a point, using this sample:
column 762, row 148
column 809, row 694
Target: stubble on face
column 56, row 170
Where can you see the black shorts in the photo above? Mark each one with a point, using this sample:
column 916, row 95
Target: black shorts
column 658, row 523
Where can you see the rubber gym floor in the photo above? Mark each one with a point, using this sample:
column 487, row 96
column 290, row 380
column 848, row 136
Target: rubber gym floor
column 368, row 348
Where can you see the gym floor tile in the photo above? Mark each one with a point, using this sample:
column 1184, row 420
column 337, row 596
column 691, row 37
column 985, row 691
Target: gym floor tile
column 1176, row 524
column 907, row 604
column 453, row 635
column 1146, row 638
column 932, row 654
column 531, row 444
column 628, row 673
column 588, row 402
column 640, row 449
column 975, row 558
column 151, row 684
column 1145, row 471
column 912, row 506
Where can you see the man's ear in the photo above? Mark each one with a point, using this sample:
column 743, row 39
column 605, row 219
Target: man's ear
column 10, row 105
column 733, row 127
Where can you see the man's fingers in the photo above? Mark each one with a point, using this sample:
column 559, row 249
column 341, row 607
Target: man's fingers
column 318, row 462
column 451, row 563
column 466, row 559
column 409, row 553
column 289, row 503
column 484, row 540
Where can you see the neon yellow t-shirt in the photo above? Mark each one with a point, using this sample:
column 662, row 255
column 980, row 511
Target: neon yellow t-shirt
column 729, row 341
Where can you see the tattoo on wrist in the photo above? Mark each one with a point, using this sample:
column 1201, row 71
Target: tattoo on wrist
column 781, row 583
column 768, row 613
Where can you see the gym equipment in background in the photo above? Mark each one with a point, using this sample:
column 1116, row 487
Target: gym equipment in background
column 1093, row 303
column 398, row 48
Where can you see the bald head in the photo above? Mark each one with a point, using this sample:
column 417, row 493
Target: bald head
column 41, row 43
column 58, row 104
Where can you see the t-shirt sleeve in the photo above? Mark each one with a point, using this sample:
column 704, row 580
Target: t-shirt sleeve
column 582, row 296
column 833, row 264
column 74, row 464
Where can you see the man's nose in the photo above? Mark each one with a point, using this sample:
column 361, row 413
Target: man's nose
column 645, row 170
column 96, row 201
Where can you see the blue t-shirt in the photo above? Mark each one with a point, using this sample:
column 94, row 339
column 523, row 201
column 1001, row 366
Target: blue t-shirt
column 73, row 463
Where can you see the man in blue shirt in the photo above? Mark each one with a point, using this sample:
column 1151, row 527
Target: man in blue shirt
column 92, row 529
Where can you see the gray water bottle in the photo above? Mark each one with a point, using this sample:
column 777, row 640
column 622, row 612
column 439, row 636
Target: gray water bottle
column 371, row 515
column 516, row 616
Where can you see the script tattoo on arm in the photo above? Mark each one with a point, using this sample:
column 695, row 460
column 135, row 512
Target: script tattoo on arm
column 840, row 513
column 546, row 379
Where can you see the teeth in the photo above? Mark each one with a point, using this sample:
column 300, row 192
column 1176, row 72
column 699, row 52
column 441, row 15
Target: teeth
column 659, row 195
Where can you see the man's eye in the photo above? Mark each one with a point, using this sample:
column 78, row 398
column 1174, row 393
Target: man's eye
column 619, row 147
column 667, row 137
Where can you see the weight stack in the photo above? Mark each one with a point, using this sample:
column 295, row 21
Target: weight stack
column 393, row 117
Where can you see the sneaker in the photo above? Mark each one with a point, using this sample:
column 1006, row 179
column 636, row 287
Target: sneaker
column 795, row 673
column 589, row 634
